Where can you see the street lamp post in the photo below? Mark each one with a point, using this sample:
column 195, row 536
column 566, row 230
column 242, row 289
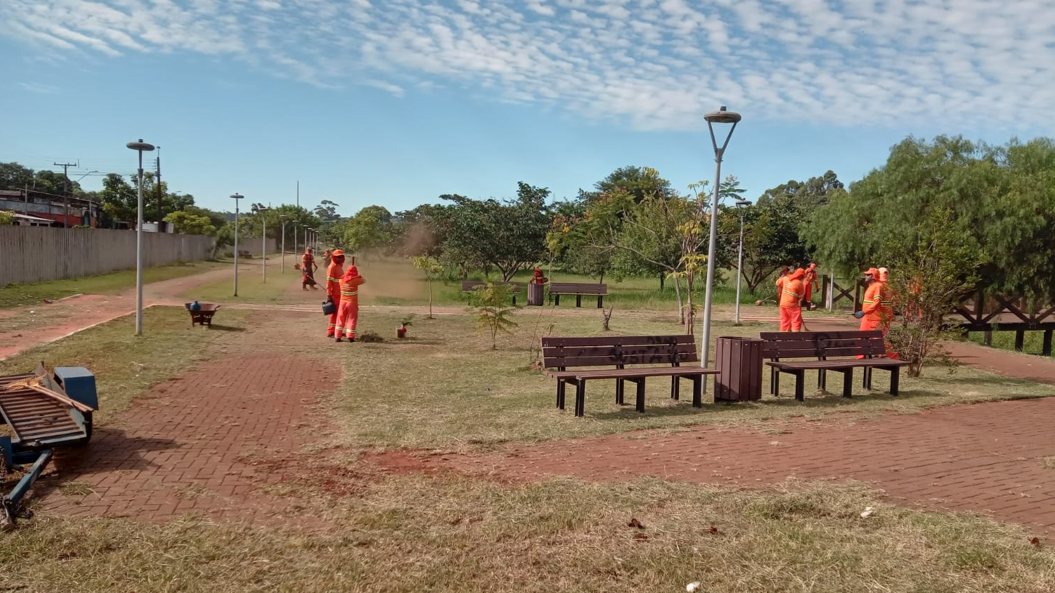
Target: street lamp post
column 715, row 117
column 263, row 242
column 140, row 147
column 740, row 205
column 236, row 198
column 283, row 219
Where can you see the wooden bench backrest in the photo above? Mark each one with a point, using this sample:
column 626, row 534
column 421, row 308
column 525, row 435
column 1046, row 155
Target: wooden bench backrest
column 785, row 345
column 470, row 285
column 563, row 353
column 578, row 288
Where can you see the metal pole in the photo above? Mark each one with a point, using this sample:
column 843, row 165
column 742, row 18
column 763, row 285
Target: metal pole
column 236, row 198
column 283, row 247
column 263, row 244
column 294, row 237
column 711, row 246
column 740, row 268
column 139, row 253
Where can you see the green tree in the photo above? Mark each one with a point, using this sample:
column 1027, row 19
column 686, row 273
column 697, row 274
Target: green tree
column 15, row 176
column 493, row 310
column 432, row 270
column 6, row 218
column 639, row 182
column 187, row 223
column 368, row 230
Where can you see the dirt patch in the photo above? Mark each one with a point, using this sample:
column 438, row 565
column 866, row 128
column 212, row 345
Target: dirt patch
column 400, row 462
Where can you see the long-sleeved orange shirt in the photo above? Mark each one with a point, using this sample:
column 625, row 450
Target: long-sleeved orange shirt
column 333, row 281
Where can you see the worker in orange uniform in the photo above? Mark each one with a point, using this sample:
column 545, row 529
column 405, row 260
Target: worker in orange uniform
column 871, row 313
column 348, row 313
column 333, row 286
column 809, row 280
column 790, row 289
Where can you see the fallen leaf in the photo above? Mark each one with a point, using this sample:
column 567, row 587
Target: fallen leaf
column 713, row 530
column 1035, row 541
column 635, row 523
column 640, row 536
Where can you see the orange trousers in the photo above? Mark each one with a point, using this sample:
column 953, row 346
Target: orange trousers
column 790, row 319
column 333, row 324
column 347, row 318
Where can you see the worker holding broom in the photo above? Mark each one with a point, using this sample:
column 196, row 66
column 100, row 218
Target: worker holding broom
column 333, row 286
column 348, row 313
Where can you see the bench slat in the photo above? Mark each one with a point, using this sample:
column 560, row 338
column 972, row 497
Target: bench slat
column 645, row 372
column 607, row 350
column 557, row 342
column 578, row 288
column 838, row 364
column 597, row 361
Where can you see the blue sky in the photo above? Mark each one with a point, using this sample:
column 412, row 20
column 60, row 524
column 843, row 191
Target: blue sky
column 396, row 102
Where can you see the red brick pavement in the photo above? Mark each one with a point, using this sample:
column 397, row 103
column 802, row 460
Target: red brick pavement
column 984, row 457
column 183, row 448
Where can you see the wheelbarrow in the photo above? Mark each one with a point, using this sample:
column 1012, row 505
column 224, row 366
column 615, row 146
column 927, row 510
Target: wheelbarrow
column 202, row 316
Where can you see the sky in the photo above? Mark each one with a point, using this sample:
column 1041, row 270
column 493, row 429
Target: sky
column 396, row 102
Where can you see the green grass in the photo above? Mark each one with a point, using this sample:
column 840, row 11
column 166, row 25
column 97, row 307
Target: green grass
column 126, row 366
column 460, row 534
column 251, row 288
column 1032, row 344
column 446, row 389
column 17, row 295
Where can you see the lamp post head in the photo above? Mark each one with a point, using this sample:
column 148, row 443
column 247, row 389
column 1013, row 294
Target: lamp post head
column 237, row 196
column 722, row 116
column 742, row 203
column 140, row 146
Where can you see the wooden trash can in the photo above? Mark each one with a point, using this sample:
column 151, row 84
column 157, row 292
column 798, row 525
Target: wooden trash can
column 739, row 364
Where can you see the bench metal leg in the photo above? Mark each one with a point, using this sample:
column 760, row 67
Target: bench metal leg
column 848, row 382
column 675, row 389
column 895, row 378
column 600, row 302
column 822, row 380
column 697, row 390
column 514, row 300
column 641, row 395
column 561, row 388
column 800, row 387
column 578, row 300
column 866, row 378
column 556, row 300
column 620, row 385
column 580, row 399
column 775, row 386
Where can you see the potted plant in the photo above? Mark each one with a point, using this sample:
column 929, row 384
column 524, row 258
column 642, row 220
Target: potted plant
column 401, row 331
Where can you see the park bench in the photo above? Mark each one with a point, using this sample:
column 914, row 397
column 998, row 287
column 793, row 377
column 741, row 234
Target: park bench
column 828, row 351
column 245, row 253
column 619, row 352
column 578, row 289
column 468, row 286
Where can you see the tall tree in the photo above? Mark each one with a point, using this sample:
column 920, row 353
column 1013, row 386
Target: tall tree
column 639, row 182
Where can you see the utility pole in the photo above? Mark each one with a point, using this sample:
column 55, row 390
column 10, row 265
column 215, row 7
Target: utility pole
column 298, row 193
column 66, row 189
column 157, row 182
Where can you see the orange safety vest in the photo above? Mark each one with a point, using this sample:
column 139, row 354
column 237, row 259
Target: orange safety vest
column 791, row 291
column 873, row 302
column 333, row 281
column 350, row 289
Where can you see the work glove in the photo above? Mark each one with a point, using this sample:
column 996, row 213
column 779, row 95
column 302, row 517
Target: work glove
column 859, row 314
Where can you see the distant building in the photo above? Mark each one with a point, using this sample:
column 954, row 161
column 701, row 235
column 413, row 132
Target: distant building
column 59, row 211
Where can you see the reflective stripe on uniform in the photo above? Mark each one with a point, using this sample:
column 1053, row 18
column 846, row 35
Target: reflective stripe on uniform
column 792, row 293
column 356, row 293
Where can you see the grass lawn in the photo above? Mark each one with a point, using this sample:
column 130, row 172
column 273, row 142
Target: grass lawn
column 251, row 288
column 457, row 534
column 124, row 365
column 1032, row 344
column 350, row 527
column 445, row 388
column 17, row 295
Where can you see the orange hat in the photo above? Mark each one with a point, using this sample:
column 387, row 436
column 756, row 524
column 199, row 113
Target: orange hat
column 798, row 273
column 338, row 252
column 872, row 272
column 351, row 272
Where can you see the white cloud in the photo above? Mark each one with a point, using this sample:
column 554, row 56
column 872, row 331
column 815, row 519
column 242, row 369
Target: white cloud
column 656, row 64
column 36, row 87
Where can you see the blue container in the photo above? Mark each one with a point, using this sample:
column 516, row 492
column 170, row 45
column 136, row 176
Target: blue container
column 79, row 385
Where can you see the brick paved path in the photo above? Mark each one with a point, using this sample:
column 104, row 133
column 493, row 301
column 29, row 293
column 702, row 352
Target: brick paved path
column 183, row 447
column 984, row 457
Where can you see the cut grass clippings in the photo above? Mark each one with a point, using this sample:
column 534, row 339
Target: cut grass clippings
column 444, row 388
column 17, row 295
column 124, row 365
column 417, row 533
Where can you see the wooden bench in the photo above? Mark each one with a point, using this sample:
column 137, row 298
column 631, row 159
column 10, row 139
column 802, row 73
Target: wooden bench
column 244, row 253
column 578, row 289
column 619, row 352
column 468, row 286
column 830, row 351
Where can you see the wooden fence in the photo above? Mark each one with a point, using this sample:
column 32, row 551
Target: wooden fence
column 39, row 254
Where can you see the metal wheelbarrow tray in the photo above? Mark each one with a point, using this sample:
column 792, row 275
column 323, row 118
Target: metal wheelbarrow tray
column 203, row 316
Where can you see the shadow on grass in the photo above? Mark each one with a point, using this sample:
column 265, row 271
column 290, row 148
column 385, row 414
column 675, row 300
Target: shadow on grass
column 226, row 328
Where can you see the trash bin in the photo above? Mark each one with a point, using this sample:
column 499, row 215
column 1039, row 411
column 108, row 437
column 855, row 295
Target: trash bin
column 739, row 364
column 536, row 294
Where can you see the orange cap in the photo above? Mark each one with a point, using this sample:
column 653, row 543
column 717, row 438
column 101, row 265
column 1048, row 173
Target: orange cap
column 337, row 252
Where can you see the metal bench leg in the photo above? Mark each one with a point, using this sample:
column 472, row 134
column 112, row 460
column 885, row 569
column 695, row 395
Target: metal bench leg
column 641, row 395
column 775, row 386
column 800, row 387
column 561, row 388
column 514, row 300
column 600, row 302
column 848, row 383
column 697, row 390
column 822, row 380
column 556, row 300
column 675, row 389
column 580, row 399
column 895, row 378
column 620, row 385
column 578, row 300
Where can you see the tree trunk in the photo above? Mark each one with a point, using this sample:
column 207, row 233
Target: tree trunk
column 601, row 281
column 430, row 298
column 677, row 291
column 690, row 319
column 662, row 281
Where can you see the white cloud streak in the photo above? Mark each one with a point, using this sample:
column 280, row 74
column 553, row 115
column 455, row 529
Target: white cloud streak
column 656, row 64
